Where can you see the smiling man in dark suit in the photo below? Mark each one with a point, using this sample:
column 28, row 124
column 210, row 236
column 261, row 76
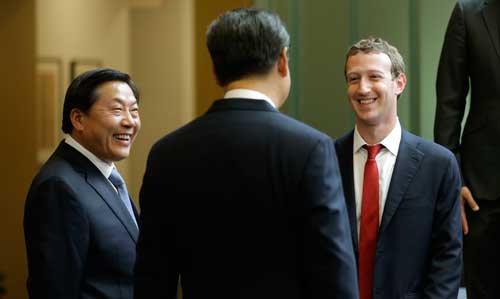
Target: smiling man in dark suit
column 80, row 224
column 470, row 58
column 402, row 191
column 245, row 202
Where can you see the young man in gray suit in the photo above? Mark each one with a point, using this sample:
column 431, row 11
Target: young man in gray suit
column 79, row 222
column 470, row 58
column 245, row 202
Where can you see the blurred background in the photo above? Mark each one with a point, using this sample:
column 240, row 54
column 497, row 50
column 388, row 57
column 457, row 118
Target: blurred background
column 161, row 43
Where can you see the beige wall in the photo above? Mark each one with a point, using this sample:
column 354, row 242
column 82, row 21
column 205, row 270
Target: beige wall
column 152, row 40
column 162, row 54
column 17, row 65
column 206, row 88
column 79, row 29
column 84, row 29
column 160, row 43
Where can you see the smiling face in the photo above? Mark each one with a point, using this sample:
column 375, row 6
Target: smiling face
column 372, row 91
column 111, row 124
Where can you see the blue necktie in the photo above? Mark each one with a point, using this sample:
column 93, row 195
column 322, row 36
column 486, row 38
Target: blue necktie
column 116, row 179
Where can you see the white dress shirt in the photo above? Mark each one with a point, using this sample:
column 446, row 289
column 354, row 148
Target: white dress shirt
column 386, row 159
column 248, row 94
column 104, row 167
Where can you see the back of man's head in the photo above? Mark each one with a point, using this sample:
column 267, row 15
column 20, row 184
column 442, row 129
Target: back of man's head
column 245, row 42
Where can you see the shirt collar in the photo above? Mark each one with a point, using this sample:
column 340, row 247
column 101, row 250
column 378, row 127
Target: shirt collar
column 104, row 167
column 390, row 142
column 248, row 94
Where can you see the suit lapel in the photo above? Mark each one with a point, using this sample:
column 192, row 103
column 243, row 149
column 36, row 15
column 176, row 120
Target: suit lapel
column 100, row 184
column 344, row 152
column 108, row 194
column 407, row 164
column 490, row 13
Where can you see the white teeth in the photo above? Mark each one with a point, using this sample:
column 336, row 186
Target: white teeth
column 123, row 136
column 367, row 101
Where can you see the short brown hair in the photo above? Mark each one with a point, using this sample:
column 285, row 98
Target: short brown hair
column 378, row 45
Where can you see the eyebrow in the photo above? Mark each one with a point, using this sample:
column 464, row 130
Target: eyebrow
column 367, row 71
column 123, row 102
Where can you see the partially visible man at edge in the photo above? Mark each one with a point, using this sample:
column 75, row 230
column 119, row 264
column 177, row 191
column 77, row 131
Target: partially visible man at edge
column 470, row 60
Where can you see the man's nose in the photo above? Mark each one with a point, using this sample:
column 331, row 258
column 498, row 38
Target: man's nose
column 127, row 119
column 364, row 85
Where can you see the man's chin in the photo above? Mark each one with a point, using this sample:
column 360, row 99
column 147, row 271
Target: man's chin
column 120, row 155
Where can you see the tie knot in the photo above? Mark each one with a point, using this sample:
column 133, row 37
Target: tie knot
column 373, row 150
column 115, row 178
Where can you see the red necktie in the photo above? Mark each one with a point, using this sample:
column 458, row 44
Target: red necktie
column 369, row 223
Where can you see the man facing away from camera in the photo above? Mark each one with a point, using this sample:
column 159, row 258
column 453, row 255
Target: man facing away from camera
column 245, row 202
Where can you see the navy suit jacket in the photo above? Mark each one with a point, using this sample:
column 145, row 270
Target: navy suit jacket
column 80, row 238
column 244, row 202
column 419, row 247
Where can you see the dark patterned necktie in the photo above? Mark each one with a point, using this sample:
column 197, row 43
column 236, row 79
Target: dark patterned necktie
column 116, row 179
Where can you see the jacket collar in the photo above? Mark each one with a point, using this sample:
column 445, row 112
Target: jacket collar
column 241, row 104
column 99, row 183
column 407, row 164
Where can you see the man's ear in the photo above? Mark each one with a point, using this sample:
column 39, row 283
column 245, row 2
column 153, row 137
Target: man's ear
column 283, row 63
column 77, row 119
column 400, row 83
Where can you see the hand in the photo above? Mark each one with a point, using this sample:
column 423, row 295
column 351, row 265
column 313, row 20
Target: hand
column 466, row 196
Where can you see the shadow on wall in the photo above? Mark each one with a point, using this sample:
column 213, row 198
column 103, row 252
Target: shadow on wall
column 2, row 288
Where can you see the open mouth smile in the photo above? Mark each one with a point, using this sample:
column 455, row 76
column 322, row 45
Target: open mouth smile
column 123, row 137
column 366, row 101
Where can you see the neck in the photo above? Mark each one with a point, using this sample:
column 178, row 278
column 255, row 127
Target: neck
column 374, row 134
column 261, row 86
column 77, row 138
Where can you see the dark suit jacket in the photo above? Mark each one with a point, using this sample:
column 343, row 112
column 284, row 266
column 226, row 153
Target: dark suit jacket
column 244, row 202
column 471, row 51
column 419, row 247
column 80, row 239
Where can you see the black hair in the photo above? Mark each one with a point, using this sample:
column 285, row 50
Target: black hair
column 245, row 41
column 82, row 92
